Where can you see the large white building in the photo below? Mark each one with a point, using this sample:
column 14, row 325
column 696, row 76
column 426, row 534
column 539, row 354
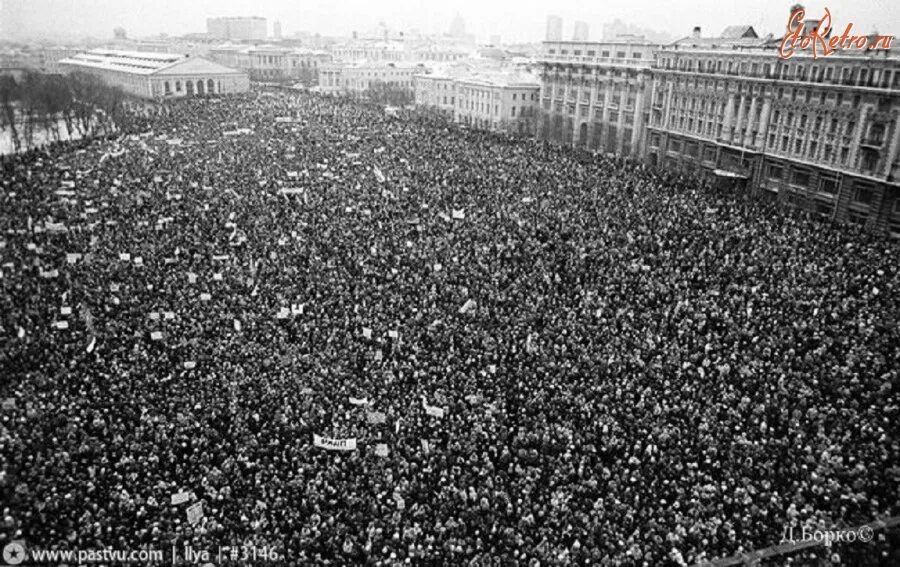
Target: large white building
column 356, row 78
column 158, row 75
column 237, row 29
column 499, row 101
column 272, row 62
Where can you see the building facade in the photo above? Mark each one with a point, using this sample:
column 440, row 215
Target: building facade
column 819, row 134
column 498, row 103
column 593, row 94
column 356, row 78
column 157, row 75
column 436, row 91
column 554, row 28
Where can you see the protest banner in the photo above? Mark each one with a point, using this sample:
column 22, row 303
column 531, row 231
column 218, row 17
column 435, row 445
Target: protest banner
column 332, row 444
column 359, row 401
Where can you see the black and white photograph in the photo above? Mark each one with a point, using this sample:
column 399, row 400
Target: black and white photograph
column 407, row 283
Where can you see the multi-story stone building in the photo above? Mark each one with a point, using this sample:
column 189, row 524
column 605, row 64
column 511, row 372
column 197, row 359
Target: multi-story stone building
column 822, row 134
column 593, row 94
column 437, row 91
column 357, row 78
column 273, row 63
column 251, row 28
column 157, row 75
column 499, row 102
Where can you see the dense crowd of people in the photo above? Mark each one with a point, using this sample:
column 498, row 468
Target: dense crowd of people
column 512, row 351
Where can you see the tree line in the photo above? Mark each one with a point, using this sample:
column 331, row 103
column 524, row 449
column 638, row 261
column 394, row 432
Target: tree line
column 61, row 106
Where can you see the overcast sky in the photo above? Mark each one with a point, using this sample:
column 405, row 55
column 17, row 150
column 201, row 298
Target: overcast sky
column 513, row 20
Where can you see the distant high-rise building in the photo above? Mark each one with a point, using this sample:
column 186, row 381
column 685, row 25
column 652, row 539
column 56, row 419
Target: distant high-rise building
column 276, row 29
column 458, row 26
column 581, row 32
column 238, row 29
column 495, row 40
column 119, row 33
column 554, row 28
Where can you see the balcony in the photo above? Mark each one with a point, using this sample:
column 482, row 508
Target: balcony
column 873, row 142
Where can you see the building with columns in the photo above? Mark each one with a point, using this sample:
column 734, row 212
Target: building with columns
column 273, row 63
column 355, row 78
column 157, row 75
column 819, row 134
column 593, row 94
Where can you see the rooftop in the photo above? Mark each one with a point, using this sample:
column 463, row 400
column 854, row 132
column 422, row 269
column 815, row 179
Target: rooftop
column 142, row 63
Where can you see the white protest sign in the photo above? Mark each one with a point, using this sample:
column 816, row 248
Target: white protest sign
column 433, row 411
column 459, row 214
column 467, row 306
column 156, row 335
column 367, row 332
column 381, row 450
column 359, row 401
column 180, row 498
column 332, row 444
column 284, row 313
column 195, row 512
column 65, row 310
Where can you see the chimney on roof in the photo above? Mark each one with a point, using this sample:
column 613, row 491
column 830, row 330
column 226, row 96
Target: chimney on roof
column 696, row 34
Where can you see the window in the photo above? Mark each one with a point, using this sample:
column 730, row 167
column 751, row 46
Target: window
column 620, row 55
column 776, row 172
column 828, row 185
column 512, row 111
column 801, row 178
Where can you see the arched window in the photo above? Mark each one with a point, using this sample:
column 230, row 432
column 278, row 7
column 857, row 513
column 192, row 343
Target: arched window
column 210, row 86
column 168, row 88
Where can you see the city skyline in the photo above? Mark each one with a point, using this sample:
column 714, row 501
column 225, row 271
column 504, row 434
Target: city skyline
column 519, row 22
